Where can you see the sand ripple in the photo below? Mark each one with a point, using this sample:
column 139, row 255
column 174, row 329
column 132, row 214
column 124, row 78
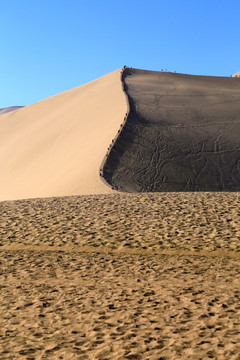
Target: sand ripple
column 87, row 278
column 161, row 221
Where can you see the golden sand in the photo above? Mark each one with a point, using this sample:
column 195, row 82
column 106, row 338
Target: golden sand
column 55, row 147
column 147, row 276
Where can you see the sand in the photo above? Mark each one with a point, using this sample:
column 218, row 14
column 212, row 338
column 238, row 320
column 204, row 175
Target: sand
column 135, row 276
column 56, row 146
column 237, row 74
column 110, row 275
column 182, row 134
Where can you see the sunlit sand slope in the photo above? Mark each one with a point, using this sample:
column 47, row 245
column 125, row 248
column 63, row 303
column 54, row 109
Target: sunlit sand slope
column 182, row 134
column 56, row 146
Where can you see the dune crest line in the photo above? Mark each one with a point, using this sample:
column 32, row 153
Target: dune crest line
column 104, row 165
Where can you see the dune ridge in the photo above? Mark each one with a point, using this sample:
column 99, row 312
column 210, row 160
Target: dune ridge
column 111, row 147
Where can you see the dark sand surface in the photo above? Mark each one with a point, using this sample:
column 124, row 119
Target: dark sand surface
column 155, row 153
column 135, row 276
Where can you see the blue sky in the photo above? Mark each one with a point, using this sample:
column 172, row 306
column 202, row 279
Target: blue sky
column 48, row 46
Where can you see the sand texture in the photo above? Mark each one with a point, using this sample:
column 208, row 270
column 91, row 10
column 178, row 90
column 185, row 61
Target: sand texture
column 182, row 134
column 135, row 276
column 56, row 146
column 113, row 275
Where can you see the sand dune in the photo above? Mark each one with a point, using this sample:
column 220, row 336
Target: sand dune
column 237, row 74
column 116, row 276
column 182, row 134
column 56, row 146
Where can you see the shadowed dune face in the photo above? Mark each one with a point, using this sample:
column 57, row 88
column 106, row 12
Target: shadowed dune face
column 182, row 134
column 9, row 109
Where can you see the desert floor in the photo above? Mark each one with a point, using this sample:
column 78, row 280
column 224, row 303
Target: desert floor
column 146, row 276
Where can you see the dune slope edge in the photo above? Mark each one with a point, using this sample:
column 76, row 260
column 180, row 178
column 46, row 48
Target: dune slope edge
column 182, row 134
column 55, row 147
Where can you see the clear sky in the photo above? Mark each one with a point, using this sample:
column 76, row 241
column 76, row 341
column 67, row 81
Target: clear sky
column 48, row 46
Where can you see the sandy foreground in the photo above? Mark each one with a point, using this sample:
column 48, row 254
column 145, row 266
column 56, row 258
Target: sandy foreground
column 146, row 276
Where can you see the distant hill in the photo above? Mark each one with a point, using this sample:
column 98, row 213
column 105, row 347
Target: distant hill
column 8, row 109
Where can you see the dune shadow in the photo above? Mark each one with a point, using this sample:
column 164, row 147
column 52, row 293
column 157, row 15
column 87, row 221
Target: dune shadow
column 181, row 134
